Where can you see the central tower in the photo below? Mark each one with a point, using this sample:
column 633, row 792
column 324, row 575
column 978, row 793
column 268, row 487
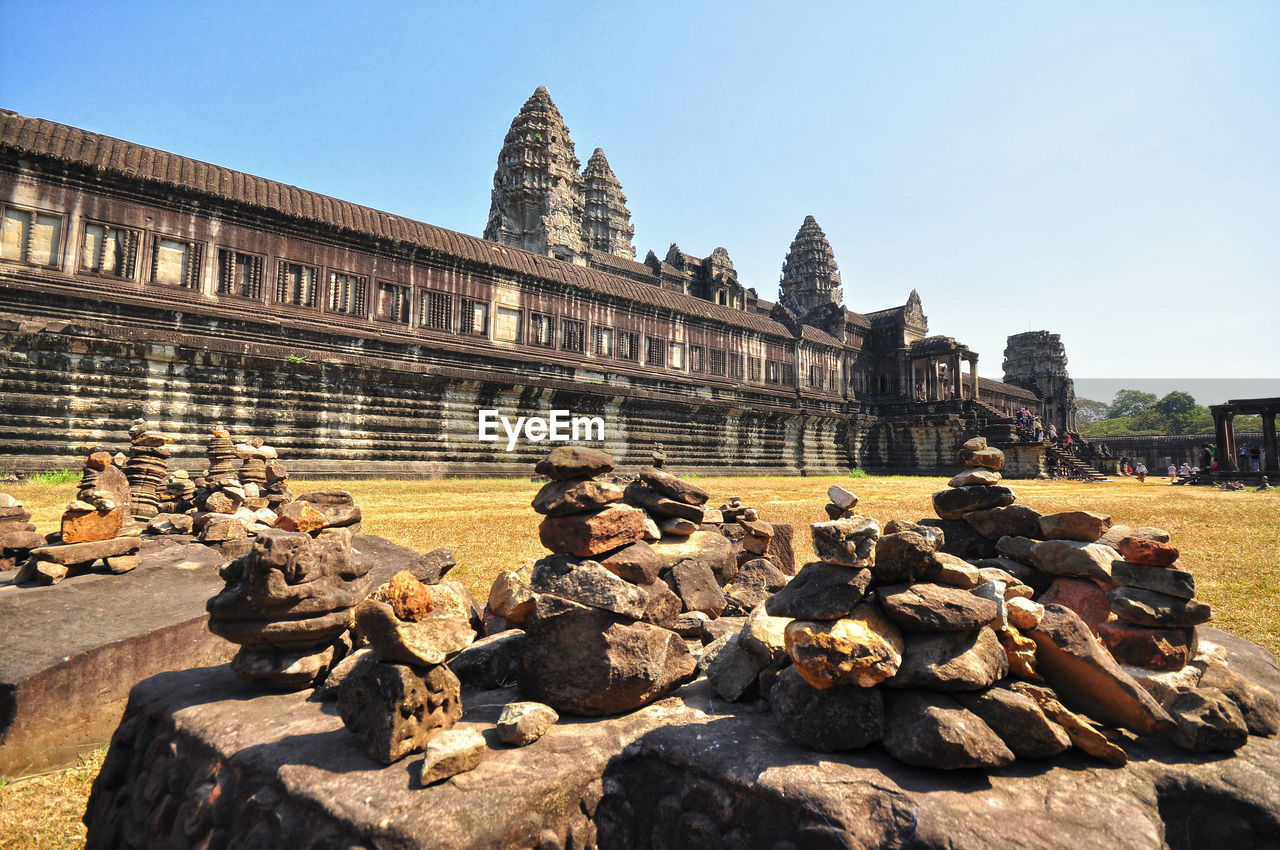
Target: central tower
column 537, row 202
column 810, row 277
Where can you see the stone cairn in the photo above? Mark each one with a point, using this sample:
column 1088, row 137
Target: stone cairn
column 96, row 526
column 17, row 534
column 145, row 469
column 919, row 640
column 288, row 601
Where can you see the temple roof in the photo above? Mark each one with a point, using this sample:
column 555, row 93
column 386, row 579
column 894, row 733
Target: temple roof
column 809, row 273
column 71, row 146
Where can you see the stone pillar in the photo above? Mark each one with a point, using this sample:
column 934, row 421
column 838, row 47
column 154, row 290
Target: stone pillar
column 1269, row 440
column 973, row 376
column 1224, row 436
column 956, row 381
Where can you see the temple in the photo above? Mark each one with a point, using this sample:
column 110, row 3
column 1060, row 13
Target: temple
column 137, row 282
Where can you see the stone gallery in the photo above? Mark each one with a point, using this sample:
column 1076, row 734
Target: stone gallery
column 667, row 677
column 135, row 282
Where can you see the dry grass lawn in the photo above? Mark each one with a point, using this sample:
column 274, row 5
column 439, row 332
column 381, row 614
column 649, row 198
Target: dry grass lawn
column 1230, row 539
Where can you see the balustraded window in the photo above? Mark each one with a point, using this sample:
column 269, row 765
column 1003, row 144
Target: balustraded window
column 296, row 284
column 677, row 355
column 571, row 335
column 110, row 251
column 697, row 358
column 474, row 318
column 239, row 274
column 629, row 345
column 176, row 263
column 788, row 375
column 717, row 362
column 31, row 237
column 656, row 354
column 348, row 294
column 437, row 311
column 735, row 366
column 770, row 371
column 602, row 341
column 542, row 330
column 393, row 303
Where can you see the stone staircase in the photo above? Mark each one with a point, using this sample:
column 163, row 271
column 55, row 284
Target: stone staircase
column 1077, row 468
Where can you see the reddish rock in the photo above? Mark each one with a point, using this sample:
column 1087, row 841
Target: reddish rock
column 409, row 598
column 1146, row 646
column 300, row 516
column 637, row 563
column 1088, row 600
column 1084, row 526
column 588, row 535
column 98, row 460
column 90, row 526
column 1151, row 553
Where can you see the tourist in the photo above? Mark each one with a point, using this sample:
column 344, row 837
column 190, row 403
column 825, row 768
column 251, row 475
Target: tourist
column 1195, row 470
column 1053, row 433
column 1172, row 471
column 1067, row 442
column 1243, row 465
column 1184, row 471
column 1255, row 459
column 1141, row 471
column 1037, row 430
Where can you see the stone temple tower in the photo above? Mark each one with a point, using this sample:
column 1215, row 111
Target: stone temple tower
column 1037, row 361
column 606, row 223
column 537, row 201
column 810, row 277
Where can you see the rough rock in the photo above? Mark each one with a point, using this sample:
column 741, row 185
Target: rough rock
column 588, row 535
column 1084, row 526
column 567, row 462
column 961, row 539
column 994, row 592
column 1025, row 613
column 560, row 498
column 395, row 709
column 588, row 583
column 904, row 557
column 89, row 526
column 951, row 661
column 934, row 608
column 678, row 526
column 1075, row 558
column 1019, row 721
column 512, row 598
column 733, row 671
column 820, row 592
column 643, row 496
column 976, row 477
column 955, row 502
column 1083, row 733
column 710, row 547
column 522, row 723
column 1144, row 646
column 1010, row 521
column 72, row 554
column 1152, row 553
column 431, row 567
column 584, row 660
column 449, row 753
column 933, row 730
column 673, row 487
column 663, row 608
column 636, row 562
column 845, row 717
column 1082, row 596
column 1260, row 707
column 695, row 584
column 955, row 572
column 285, row 669
column 300, row 516
column 1208, row 722
column 848, row 542
column 1019, row 549
column 988, row 458
column 431, row 640
column 862, row 649
column 1148, row 608
column 764, row 636
column 841, row 498
column 1086, row 677
column 490, row 662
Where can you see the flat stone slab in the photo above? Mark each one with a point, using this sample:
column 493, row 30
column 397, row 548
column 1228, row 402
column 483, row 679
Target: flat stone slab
column 200, row 760
column 70, row 653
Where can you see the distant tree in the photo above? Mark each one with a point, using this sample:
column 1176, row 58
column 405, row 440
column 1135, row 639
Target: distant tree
column 1089, row 411
column 1179, row 412
column 1129, row 403
column 1121, row 426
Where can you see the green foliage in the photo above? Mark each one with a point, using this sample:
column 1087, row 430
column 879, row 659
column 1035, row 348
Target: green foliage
column 1089, row 411
column 297, row 359
column 1129, row 403
column 858, row 473
column 54, row 476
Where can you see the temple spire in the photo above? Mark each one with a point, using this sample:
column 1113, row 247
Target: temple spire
column 537, row 202
column 606, row 222
column 810, row 277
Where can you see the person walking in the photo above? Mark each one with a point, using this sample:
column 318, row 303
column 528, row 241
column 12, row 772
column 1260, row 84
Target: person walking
column 1141, row 471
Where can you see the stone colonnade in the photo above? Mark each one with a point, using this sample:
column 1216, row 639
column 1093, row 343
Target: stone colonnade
column 1225, row 435
column 935, row 388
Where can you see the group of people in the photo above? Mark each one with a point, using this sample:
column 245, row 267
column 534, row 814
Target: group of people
column 1032, row 427
column 1177, row 474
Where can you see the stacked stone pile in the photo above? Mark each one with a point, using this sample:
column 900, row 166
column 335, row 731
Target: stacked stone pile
column 596, row 610
column 145, row 469
column 96, row 526
column 17, row 533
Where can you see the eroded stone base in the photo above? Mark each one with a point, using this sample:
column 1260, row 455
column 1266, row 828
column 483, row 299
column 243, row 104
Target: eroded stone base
column 200, row 760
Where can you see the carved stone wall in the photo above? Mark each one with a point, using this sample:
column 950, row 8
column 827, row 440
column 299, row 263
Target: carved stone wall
column 606, row 221
column 1037, row 361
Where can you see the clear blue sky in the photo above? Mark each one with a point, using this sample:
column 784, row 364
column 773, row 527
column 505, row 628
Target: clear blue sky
column 1109, row 171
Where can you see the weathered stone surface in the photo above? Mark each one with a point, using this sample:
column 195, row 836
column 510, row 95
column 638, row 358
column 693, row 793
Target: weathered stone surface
column 88, row 526
column 560, row 498
column 678, row 526
column 977, row 477
column 568, row 462
column 951, row 661
column 512, row 598
column 673, row 487
column 81, row 553
column 1086, row 677
column 1010, row 521
column 490, row 662
column 1260, row 707
column 666, row 767
column 588, row 535
column 588, row 583
column 1144, row 646
column 431, row 640
column 431, row 567
column 637, row 563
column 1148, row 608
column 904, row 557
column 287, row 669
column 820, row 592
column 1082, row 596
column 988, row 458
column 955, row 572
column 584, row 660
column 955, row 502
column 733, row 671
column 300, row 516
column 1025, row 613
column 994, row 590
column 930, row 529
column 1083, row 733
column 1075, row 558
column 933, row 730
column 120, row 564
column 338, row 672
column 664, row 606
column 1019, row 722
column 861, row 649
column 1166, row 580
column 764, row 636
column 695, row 584
column 1084, row 526
column 763, row 572
column 935, row 608
column 522, row 723
column 447, row 754
column 1142, row 550
column 1208, row 722
column 848, row 542
column 846, row 717
column 1019, row 549
column 395, row 709
column 960, row 539
column 710, row 547
column 841, row 498
column 642, row 496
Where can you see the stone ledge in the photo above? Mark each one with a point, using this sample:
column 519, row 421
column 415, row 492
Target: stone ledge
column 200, row 758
